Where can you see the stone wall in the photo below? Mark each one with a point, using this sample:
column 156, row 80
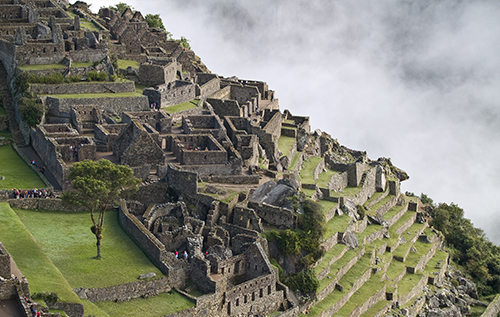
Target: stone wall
column 225, row 107
column 44, row 204
column 369, row 303
column 117, row 105
column 368, row 188
column 82, row 88
column 5, row 269
column 387, row 206
column 398, row 215
column 184, row 182
column 343, row 270
column 493, row 308
column 208, row 88
column 148, row 242
column 275, row 216
column 417, row 289
column 71, row 309
column 338, row 181
column 125, row 292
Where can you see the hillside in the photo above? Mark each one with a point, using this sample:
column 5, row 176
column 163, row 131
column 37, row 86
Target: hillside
column 242, row 210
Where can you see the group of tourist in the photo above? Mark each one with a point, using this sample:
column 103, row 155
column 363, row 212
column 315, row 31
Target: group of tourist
column 184, row 255
column 155, row 106
column 33, row 311
column 75, row 148
column 32, row 193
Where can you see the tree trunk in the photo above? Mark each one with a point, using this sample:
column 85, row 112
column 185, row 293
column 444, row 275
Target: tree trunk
column 98, row 244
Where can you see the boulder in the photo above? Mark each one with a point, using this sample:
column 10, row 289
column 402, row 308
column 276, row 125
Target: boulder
column 349, row 208
column 147, row 275
column 350, row 239
column 380, row 180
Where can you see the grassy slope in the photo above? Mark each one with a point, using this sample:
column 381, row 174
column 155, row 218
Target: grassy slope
column 17, row 173
column 182, row 106
column 160, row 305
column 68, row 242
column 285, row 144
column 41, row 273
column 124, row 63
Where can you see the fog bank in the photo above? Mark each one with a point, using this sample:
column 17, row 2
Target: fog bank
column 416, row 81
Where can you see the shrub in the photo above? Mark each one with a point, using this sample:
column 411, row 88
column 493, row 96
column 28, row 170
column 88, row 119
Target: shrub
column 95, row 76
column 47, row 297
column 74, row 79
column 305, row 281
column 361, row 211
column 288, row 242
column 31, row 111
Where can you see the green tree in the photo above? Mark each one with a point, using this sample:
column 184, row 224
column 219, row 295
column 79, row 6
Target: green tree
column 97, row 185
column 154, row 21
column 121, row 7
column 31, row 111
column 184, row 42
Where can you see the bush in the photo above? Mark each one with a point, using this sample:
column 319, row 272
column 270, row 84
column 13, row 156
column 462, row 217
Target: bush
column 54, row 78
column 95, row 76
column 47, row 297
column 31, row 111
column 288, row 242
column 74, row 79
column 305, row 281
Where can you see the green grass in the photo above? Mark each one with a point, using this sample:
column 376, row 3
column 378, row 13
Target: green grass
column 346, row 192
column 336, row 224
column 42, row 274
column 328, row 256
column 375, row 308
column 368, row 289
column 140, row 88
column 285, row 144
column 392, row 212
column 6, row 133
column 382, row 202
column 67, row 240
column 182, row 106
column 92, row 310
column 124, row 63
column 294, row 161
column 160, row 305
column 327, row 205
column 373, row 198
column 324, row 178
column 308, row 192
column 307, row 171
column 17, row 173
column 85, row 64
column 395, row 269
column 42, row 67
column 85, row 24
column 97, row 95
column 408, row 282
column 436, row 262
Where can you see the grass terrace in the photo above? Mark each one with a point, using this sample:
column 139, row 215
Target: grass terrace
column 42, row 67
column 336, row 224
column 294, row 161
column 140, row 88
column 347, row 192
column 85, row 24
column 41, row 273
column 382, row 202
column 307, row 171
column 66, row 239
column 124, row 63
column 408, row 282
column 99, row 95
column 372, row 286
column 285, row 144
column 17, row 173
column 376, row 308
column 308, row 192
column 161, row 305
column 392, row 212
column 182, row 106
column 327, row 205
column 436, row 262
column 324, row 178
column 328, row 256
column 374, row 197
column 395, row 269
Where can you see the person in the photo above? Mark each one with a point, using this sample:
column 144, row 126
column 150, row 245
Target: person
column 185, row 255
column 176, row 254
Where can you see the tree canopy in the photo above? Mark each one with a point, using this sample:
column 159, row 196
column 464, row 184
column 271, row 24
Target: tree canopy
column 154, row 21
column 121, row 7
column 97, row 185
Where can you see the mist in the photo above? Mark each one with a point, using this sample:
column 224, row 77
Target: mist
column 416, row 81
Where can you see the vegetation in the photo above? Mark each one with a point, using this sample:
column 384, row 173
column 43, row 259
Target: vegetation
column 121, row 7
column 161, row 305
column 125, row 63
column 64, row 237
column 17, row 173
column 42, row 274
column 31, row 111
column 97, row 76
column 97, row 185
column 154, row 21
column 42, row 67
column 184, row 43
column 468, row 246
column 285, row 144
column 182, row 106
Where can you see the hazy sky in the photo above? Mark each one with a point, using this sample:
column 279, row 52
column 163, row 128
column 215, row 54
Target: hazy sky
column 416, row 81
